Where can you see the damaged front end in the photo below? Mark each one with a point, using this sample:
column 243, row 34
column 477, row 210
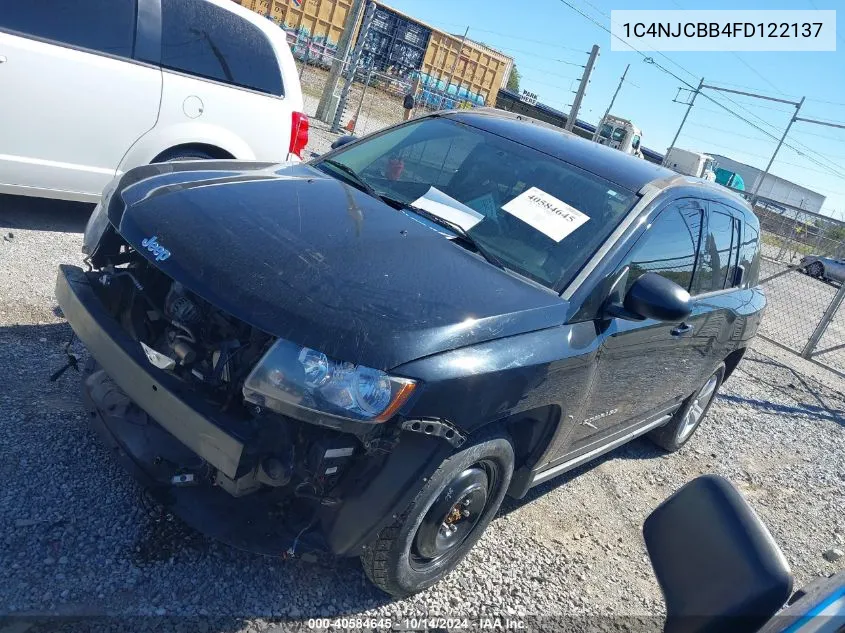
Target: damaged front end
column 245, row 436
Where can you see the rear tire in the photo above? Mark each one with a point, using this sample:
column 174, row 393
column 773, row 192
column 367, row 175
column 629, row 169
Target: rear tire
column 444, row 521
column 687, row 419
column 182, row 154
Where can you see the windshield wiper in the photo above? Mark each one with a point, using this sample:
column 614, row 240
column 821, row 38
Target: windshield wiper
column 350, row 173
column 456, row 228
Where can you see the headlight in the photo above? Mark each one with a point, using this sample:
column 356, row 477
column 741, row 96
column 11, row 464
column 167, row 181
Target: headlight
column 97, row 225
column 291, row 376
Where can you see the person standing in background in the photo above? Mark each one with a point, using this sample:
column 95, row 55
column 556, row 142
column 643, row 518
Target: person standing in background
column 409, row 102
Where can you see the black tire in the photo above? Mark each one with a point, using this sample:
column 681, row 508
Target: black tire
column 678, row 431
column 182, row 154
column 816, row 269
column 394, row 562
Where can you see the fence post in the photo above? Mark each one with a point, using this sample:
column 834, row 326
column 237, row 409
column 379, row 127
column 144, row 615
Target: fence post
column 305, row 59
column 807, row 352
column 787, row 241
column 363, row 94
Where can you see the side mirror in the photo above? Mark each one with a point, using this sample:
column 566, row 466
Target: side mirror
column 343, row 140
column 718, row 566
column 653, row 297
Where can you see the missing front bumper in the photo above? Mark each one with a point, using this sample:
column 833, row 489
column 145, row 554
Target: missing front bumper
column 218, row 439
column 264, row 523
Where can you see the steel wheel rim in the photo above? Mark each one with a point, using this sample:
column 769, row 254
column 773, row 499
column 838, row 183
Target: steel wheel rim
column 450, row 521
column 697, row 408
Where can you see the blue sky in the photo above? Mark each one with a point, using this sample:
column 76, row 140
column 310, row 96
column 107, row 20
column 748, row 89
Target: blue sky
column 543, row 35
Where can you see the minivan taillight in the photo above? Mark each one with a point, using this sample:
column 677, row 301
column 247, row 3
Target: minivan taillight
column 298, row 133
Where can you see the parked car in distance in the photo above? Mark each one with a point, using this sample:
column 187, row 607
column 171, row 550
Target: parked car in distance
column 90, row 89
column 377, row 346
column 823, row 267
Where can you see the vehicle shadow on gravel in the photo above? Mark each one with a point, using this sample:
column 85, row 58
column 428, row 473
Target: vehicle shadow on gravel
column 639, row 448
column 41, row 214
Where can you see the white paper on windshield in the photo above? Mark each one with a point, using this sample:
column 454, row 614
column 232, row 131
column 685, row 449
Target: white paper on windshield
column 546, row 213
column 443, row 206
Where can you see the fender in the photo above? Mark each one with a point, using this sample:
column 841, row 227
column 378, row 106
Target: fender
column 378, row 495
column 157, row 140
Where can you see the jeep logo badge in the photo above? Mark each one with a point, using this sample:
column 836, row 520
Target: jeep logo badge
column 152, row 245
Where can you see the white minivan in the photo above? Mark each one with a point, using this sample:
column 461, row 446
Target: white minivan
column 92, row 88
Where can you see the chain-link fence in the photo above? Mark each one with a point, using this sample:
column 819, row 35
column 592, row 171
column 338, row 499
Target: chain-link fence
column 376, row 98
column 791, row 233
column 803, row 312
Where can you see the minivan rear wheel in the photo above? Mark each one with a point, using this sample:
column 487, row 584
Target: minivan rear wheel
column 687, row 419
column 445, row 520
column 182, row 154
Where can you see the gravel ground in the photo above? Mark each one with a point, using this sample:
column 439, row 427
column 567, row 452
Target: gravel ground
column 75, row 538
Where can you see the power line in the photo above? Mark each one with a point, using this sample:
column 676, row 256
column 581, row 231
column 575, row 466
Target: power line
column 651, row 60
column 530, row 54
column 516, row 37
column 731, row 132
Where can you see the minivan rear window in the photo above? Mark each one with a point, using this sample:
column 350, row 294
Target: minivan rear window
column 106, row 26
column 207, row 41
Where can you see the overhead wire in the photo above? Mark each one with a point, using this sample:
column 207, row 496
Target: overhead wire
column 652, row 61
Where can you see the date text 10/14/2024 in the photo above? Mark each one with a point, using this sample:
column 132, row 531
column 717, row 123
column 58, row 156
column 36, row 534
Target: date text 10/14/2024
column 487, row 623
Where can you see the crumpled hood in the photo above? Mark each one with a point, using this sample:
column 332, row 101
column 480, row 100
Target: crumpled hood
column 308, row 258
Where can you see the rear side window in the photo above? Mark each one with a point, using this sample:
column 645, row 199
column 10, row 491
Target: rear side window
column 107, row 26
column 669, row 245
column 749, row 255
column 202, row 39
column 719, row 250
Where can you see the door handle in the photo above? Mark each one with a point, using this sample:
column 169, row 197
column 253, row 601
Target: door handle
column 682, row 330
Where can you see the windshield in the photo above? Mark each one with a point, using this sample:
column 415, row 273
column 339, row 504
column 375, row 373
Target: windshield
column 541, row 217
column 606, row 130
column 619, row 134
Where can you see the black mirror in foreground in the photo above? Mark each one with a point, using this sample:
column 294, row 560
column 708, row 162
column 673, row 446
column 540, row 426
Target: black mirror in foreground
column 343, row 140
column 653, row 297
column 718, row 566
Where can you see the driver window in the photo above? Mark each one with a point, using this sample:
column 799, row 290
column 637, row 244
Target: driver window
column 669, row 245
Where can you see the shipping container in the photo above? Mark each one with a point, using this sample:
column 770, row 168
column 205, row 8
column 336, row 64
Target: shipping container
column 397, row 43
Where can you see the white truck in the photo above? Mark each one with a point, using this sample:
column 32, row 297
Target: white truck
column 691, row 163
column 620, row 134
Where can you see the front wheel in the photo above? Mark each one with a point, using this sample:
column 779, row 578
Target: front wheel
column 687, row 419
column 445, row 520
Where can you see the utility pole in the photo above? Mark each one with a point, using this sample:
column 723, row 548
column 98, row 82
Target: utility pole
column 761, row 178
column 454, row 66
column 582, row 89
column 610, row 105
column 353, row 65
column 327, row 105
column 684, row 120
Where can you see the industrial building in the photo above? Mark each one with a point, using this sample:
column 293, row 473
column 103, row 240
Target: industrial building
column 773, row 188
column 397, row 44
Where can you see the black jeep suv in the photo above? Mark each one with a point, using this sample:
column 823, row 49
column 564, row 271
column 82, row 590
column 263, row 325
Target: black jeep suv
column 365, row 353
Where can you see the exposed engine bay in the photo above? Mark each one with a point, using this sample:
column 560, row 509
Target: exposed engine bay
column 182, row 333
column 212, row 353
